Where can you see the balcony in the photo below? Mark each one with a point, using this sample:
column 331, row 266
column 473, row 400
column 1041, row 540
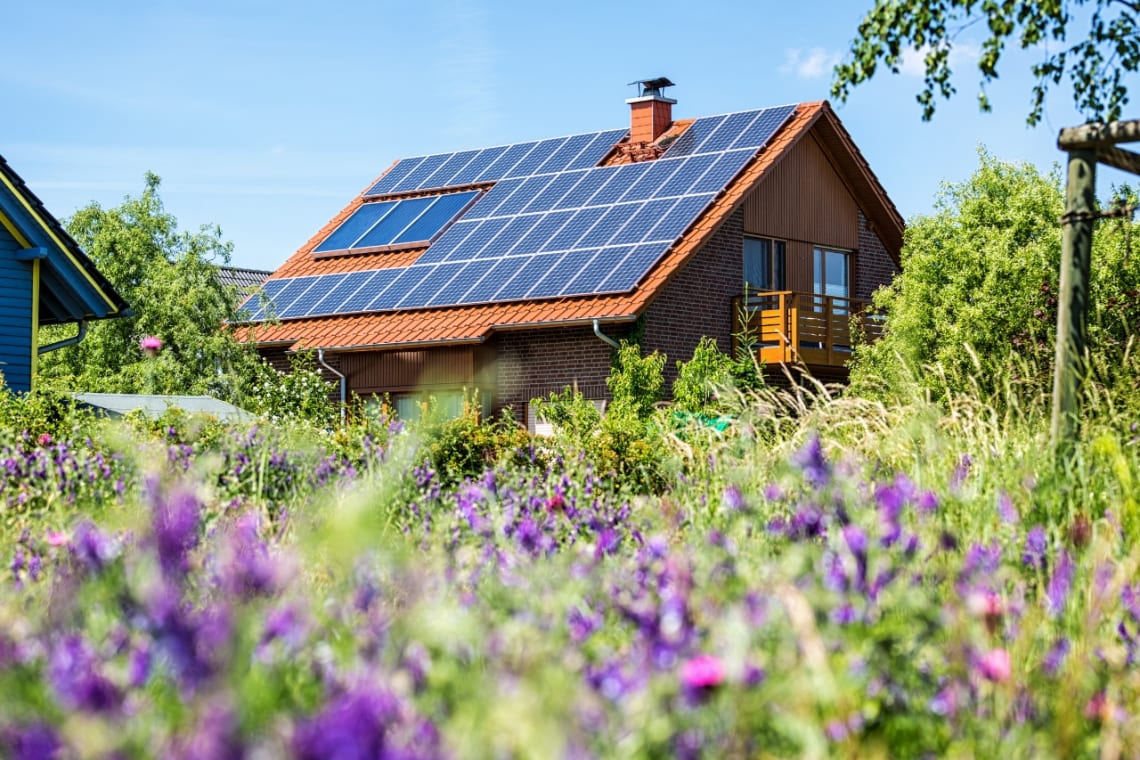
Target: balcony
column 802, row 328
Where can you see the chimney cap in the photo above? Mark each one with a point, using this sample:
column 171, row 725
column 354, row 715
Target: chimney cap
column 651, row 87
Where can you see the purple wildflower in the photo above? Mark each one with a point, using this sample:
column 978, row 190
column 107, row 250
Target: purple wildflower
column 961, row 471
column 1035, row 545
column 1055, row 657
column 176, row 529
column 1006, row 510
column 74, row 673
column 351, row 726
column 92, row 548
column 927, row 502
column 733, row 499
column 810, row 459
column 34, row 742
column 1057, row 592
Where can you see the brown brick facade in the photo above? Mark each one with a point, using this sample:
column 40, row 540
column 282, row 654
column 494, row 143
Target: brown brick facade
column 874, row 267
column 535, row 363
column 698, row 301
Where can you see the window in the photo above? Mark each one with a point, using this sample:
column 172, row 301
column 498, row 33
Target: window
column 764, row 264
column 832, row 273
column 442, row 405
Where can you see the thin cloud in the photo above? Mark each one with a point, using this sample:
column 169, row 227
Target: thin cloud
column 912, row 62
column 809, row 64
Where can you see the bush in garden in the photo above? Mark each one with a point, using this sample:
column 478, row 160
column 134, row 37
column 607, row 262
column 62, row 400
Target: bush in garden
column 299, row 395
column 465, row 446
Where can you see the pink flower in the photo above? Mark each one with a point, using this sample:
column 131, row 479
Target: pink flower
column 150, row 345
column 56, row 538
column 45, row 439
column 702, row 672
column 994, row 665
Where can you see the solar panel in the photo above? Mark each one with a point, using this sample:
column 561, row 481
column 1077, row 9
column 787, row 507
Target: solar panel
column 425, row 169
column 430, row 284
column 254, row 306
column 476, row 166
column 368, row 292
column 433, row 219
column 559, row 275
column 495, row 278
column 340, row 293
column 632, row 268
column 554, row 225
column 350, row 230
column 470, row 274
column 293, row 289
column 313, row 295
column 394, row 175
column 602, row 144
column 530, row 271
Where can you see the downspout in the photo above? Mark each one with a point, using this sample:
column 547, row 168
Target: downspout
column 343, row 382
column 67, row 341
column 603, row 337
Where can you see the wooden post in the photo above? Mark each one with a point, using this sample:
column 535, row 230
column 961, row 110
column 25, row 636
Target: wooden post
column 1072, row 309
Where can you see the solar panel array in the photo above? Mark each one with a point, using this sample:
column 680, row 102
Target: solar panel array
column 572, row 231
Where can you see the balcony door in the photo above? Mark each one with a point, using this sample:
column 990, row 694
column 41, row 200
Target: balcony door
column 832, row 273
column 765, row 264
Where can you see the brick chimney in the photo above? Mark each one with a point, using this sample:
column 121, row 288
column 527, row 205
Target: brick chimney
column 650, row 113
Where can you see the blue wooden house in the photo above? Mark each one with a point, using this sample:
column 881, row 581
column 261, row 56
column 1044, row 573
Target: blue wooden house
column 45, row 279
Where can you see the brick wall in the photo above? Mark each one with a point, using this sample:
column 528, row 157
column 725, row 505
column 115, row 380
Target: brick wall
column 874, row 267
column 698, row 301
column 535, row 363
column 279, row 358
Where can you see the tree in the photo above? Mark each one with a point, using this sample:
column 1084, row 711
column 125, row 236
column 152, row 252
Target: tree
column 980, row 275
column 169, row 279
column 1096, row 65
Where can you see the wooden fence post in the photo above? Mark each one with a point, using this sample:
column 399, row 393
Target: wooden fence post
column 1073, row 305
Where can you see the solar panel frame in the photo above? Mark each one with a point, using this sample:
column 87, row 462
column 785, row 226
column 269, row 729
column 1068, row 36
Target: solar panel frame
column 646, row 186
column 691, row 138
column 692, row 169
column 606, row 227
column 490, row 202
column 591, row 276
column 727, row 132
column 526, row 192
column 727, row 166
column 547, row 227
column 290, row 293
column 642, row 221
column 508, row 236
column 580, row 194
column 559, row 186
column 565, row 154
column 559, row 276
column 577, row 226
column 613, row 190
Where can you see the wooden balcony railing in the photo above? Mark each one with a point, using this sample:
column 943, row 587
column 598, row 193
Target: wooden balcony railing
column 788, row 327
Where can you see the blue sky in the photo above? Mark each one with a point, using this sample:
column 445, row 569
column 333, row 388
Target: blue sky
column 266, row 118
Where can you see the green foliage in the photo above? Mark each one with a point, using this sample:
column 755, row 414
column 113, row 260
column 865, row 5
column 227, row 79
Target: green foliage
column 977, row 292
column 299, row 395
column 636, row 381
column 1096, row 64
column 467, row 445
column 169, row 280
column 573, row 415
column 700, row 379
column 43, row 412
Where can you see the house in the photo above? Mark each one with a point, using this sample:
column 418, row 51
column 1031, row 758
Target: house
column 245, row 281
column 513, row 269
column 45, row 279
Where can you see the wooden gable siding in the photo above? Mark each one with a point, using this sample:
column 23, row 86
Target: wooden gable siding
column 15, row 315
column 805, row 202
column 390, row 371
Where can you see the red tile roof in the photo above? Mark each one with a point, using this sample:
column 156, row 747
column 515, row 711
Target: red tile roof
column 473, row 324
